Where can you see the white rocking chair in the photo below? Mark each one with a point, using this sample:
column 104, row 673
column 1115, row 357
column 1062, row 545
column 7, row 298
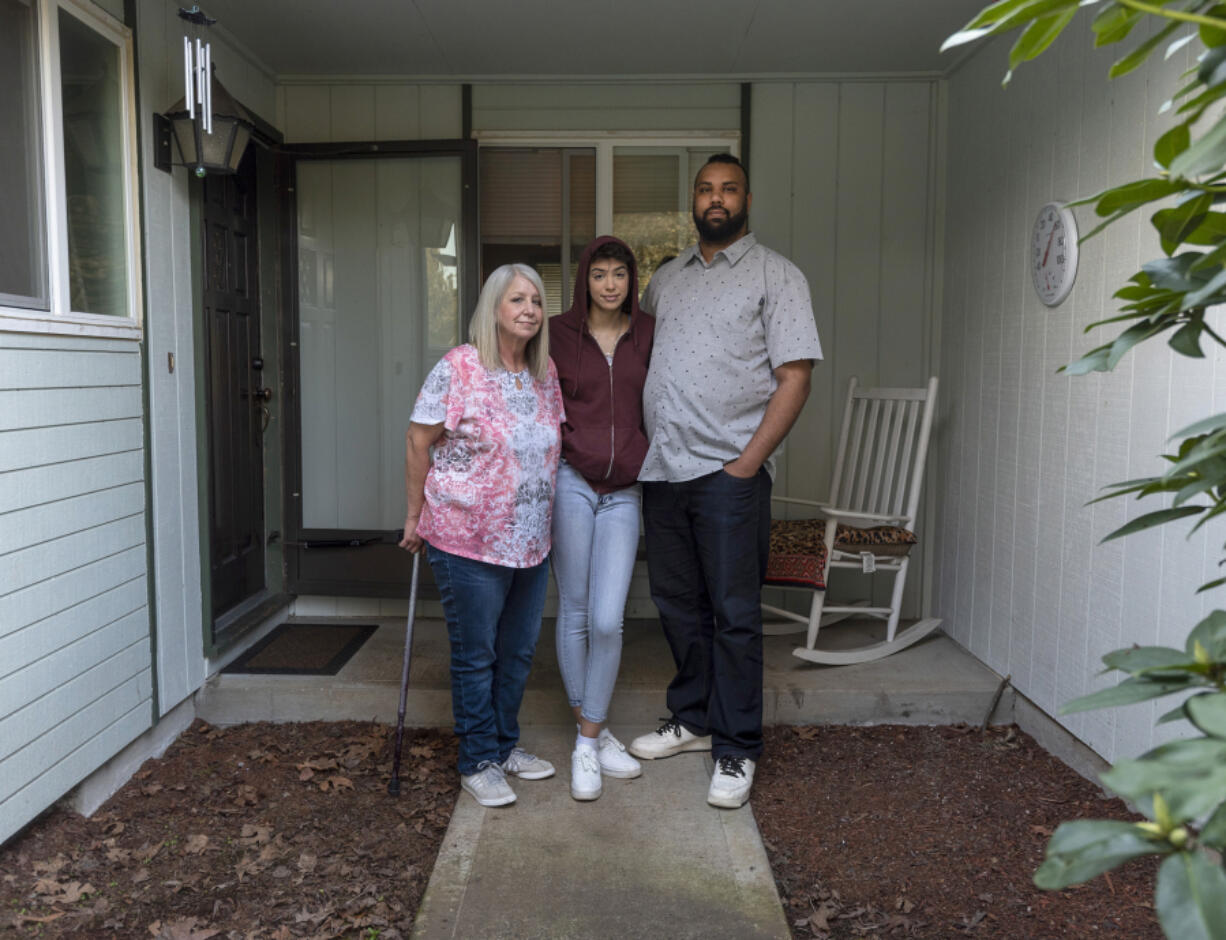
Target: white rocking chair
column 866, row 525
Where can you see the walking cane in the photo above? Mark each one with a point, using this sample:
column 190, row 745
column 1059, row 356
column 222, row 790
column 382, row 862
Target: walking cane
column 393, row 785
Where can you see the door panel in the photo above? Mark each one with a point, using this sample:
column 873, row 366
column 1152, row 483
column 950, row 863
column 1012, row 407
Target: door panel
column 235, row 415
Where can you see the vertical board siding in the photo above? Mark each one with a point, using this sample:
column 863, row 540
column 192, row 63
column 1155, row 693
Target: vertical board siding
column 1021, row 579
column 75, row 664
column 321, row 113
column 842, row 178
column 594, row 107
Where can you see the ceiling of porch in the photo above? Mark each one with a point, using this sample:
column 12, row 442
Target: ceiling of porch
column 521, row 38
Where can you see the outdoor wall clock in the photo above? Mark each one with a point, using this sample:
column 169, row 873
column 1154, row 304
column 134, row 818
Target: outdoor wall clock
column 1053, row 253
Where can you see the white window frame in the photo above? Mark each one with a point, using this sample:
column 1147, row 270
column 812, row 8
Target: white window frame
column 60, row 318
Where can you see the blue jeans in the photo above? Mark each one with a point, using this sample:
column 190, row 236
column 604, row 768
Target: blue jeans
column 493, row 619
column 595, row 539
column 707, row 544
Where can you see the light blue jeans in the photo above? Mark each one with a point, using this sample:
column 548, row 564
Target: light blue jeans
column 595, row 539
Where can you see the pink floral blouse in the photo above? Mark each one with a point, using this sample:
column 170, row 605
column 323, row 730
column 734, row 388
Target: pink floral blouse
column 489, row 490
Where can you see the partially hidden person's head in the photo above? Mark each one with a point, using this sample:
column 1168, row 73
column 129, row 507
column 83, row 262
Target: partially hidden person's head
column 721, row 200
column 512, row 293
column 606, row 277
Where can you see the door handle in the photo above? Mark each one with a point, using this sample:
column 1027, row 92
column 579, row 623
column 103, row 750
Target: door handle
column 262, row 395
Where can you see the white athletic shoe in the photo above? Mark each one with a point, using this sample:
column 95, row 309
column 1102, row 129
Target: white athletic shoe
column 584, row 774
column 668, row 739
column 731, row 782
column 520, row 763
column 614, row 761
column 489, row 785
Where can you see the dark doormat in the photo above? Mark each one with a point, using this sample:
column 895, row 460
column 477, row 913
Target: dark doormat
column 303, row 649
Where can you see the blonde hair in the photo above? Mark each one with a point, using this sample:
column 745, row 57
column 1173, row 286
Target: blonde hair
column 483, row 328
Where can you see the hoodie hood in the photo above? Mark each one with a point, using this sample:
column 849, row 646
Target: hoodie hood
column 579, row 306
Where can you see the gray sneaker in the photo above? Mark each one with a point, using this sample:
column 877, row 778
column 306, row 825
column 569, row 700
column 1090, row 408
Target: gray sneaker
column 520, row 763
column 488, row 785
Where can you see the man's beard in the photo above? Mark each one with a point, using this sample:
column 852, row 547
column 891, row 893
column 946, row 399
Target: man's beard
column 721, row 230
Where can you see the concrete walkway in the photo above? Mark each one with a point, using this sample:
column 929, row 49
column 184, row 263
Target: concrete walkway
column 649, row 858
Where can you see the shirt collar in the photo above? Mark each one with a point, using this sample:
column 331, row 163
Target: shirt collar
column 732, row 254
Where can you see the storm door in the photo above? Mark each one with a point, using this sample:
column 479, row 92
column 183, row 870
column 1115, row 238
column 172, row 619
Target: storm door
column 385, row 282
column 236, row 396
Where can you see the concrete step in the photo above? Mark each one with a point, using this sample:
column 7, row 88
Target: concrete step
column 933, row 682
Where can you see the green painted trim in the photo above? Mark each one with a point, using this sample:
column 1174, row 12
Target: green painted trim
column 129, row 18
column 203, row 482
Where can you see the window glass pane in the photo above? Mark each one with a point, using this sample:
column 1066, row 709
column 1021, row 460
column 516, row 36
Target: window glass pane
column 90, row 72
column 652, row 201
column 378, row 295
column 23, row 266
column 537, row 207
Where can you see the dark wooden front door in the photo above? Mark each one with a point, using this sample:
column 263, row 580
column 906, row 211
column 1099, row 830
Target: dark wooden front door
column 236, row 395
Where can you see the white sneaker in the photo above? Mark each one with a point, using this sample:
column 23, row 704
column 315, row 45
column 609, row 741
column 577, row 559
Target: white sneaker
column 520, row 763
column 668, row 739
column 614, row 761
column 731, row 782
column 489, row 785
column 584, row 774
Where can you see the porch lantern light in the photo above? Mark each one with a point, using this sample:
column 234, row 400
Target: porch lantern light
column 210, row 129
column 216, row 145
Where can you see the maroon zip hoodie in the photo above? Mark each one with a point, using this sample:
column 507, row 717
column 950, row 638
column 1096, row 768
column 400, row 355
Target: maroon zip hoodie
column 603, row 437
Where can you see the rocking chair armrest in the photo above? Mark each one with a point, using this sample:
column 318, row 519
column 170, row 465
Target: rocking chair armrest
column 861, row 518
column 798, row 501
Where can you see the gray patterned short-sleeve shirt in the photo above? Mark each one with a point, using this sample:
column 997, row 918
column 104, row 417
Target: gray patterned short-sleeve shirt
column 721, row 331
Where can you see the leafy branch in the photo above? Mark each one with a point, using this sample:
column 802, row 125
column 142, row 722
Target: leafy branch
column 1180, row 787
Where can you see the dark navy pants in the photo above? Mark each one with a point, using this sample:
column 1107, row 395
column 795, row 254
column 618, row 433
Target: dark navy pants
column 707, row 544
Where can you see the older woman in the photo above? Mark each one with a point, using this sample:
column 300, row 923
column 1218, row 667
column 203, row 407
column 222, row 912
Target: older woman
column 481, row 509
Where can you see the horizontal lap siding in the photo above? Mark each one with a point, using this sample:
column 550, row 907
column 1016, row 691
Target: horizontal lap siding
column 1021, row 578
column 75, row 670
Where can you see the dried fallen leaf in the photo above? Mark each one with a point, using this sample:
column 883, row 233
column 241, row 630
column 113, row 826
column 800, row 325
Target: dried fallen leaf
column 184, row 928
column 336, row 783
column 307, row 862
column 254, row 835
column 246, row 795
column 196, row 844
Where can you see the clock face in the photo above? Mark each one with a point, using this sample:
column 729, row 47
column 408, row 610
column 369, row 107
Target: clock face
column 1053, row 253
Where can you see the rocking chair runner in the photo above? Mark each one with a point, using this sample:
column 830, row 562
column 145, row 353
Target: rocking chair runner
column 867, row 523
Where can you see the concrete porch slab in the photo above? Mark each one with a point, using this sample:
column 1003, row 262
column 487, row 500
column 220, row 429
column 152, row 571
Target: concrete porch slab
column 933, row 682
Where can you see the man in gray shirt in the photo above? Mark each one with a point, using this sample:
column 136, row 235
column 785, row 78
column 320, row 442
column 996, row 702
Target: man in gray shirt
column 735, row 343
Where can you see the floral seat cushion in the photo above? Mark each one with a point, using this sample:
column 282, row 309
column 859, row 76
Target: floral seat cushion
column 798, row 554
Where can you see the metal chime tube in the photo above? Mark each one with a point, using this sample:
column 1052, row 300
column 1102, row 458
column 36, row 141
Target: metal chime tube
column 189, row 93
column 208, row 87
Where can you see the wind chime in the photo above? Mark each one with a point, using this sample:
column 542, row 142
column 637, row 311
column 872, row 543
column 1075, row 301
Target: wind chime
column 210, row 128
column 198, row 80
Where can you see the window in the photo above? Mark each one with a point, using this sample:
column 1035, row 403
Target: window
column 23, row 263
column 543, row 199
column 68, row 237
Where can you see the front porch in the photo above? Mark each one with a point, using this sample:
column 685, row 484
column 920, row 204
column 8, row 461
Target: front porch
column 933, row 682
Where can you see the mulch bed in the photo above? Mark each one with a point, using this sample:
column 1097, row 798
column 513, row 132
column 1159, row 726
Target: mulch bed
column 898, row 831
column 280, row 831
column 261, row 830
